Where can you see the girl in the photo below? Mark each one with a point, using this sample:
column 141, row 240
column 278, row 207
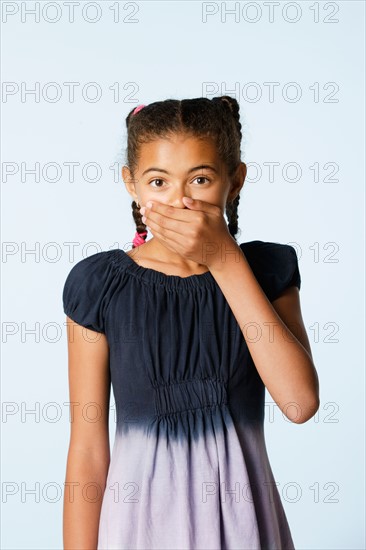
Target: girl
column 189, row 328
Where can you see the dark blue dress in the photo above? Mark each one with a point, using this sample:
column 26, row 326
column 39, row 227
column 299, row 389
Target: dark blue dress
column 189, row 467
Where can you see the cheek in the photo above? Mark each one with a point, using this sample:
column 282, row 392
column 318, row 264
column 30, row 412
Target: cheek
column 146, row 196
column 216, row 197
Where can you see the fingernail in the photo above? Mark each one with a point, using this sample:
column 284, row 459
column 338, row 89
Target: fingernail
column 143, row 219
column 142, row 210
column 149, row 204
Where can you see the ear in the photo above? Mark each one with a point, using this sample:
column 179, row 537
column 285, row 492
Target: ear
column 237, row 181
column 129, row 182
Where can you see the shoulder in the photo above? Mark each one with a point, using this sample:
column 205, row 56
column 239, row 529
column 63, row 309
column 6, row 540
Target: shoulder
column 262, row 252
column 90, row 270
column 275, row 265
column 86, row 287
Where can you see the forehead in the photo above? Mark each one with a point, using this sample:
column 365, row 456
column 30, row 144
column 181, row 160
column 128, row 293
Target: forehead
column 179, row 148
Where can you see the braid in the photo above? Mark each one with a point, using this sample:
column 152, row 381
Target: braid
column 231, row 208
column 232, row 215
column 234, row 108
column 217, row 118
column 140, row 226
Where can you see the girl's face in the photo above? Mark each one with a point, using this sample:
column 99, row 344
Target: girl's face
column 182, row 165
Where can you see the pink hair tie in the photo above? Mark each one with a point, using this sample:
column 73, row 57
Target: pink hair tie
column 138, row 240
column 138, row 108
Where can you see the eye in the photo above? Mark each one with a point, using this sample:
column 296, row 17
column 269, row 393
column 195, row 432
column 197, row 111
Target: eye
column 156, row 179
column 160, row 180
column 202, row 178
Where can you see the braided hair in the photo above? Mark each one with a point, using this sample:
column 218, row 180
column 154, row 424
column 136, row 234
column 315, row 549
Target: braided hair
column 217, row 118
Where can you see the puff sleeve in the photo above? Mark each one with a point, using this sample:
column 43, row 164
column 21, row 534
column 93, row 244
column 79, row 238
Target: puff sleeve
column 86, row 291
column 274, row 265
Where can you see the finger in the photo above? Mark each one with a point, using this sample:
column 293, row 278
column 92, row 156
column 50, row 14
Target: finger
column 165, row 222
column 197, row 204
column 163, row 209
column 179, row 214
column 164, row 232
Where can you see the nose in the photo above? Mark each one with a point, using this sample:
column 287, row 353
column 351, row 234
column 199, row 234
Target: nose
column 177, row 201
column 178, row 204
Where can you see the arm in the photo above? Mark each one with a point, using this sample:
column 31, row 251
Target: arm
column 275, row 335
column 89, row 454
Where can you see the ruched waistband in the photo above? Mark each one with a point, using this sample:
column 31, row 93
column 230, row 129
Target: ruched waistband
column 198, row 393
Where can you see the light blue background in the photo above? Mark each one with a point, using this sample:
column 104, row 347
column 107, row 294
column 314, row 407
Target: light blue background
column 170, row 53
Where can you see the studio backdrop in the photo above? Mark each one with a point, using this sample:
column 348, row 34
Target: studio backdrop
column 71, row 72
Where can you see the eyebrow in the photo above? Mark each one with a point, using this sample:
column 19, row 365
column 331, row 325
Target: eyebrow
column 200, row 167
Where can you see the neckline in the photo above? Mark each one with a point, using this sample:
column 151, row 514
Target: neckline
column 150, row 275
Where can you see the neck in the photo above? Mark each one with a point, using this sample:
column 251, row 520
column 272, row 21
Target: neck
column 154, row 251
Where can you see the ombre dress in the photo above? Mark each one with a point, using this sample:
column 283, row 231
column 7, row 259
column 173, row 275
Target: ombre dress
column 189, row 468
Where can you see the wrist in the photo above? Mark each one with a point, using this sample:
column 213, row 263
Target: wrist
column 228, row 255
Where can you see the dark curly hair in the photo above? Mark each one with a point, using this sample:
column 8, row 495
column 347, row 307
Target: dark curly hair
column 217, row 118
